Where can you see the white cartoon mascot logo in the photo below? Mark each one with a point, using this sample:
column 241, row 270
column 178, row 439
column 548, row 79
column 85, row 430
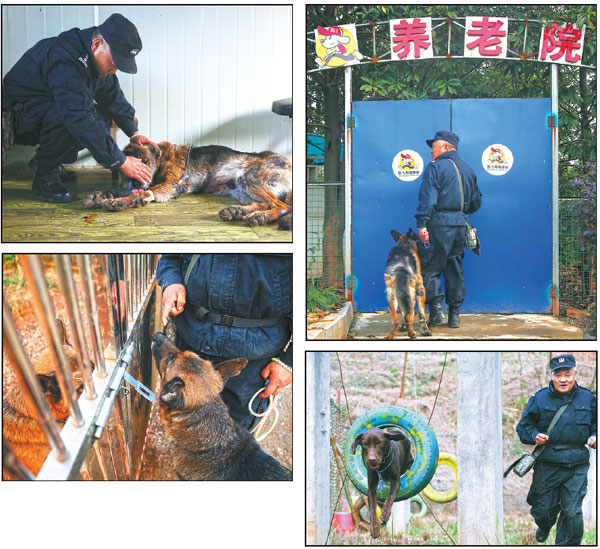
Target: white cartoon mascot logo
column 336, row 46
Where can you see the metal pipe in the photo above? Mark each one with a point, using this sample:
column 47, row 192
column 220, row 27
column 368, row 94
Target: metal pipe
column 85, row 269
column 128, row 289
column 121, row 317
column 104, row 262
column 555, row 193
column 44, row 310
column 348, row 178
column 65, row 273
column 28, row 383
column 13, row 465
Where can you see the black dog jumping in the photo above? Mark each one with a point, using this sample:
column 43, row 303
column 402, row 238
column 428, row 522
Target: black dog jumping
column 386, row 455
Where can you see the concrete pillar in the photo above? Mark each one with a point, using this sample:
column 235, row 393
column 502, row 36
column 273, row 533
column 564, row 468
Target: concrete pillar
column 318, row 513
column 400, row 517
column 479, row 449
column 589, row 502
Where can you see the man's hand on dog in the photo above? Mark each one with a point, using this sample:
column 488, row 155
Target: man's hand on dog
column 540, row 439
column 135, row 168
column 173, row 301
column 424, row 235
column 143, row 140
column 278, row 378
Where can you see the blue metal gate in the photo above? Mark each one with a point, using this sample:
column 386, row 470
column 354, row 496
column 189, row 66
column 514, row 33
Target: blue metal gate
column 514, row 272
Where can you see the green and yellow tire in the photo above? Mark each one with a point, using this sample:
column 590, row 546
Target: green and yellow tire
column 448, row 495
column 424, row 444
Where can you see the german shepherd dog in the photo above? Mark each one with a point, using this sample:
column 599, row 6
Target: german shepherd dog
column 404, row 284
column 207, row 443
column 19, row 428
column 261, row 182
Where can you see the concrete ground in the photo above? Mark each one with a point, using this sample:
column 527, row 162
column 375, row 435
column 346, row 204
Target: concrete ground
column 473, row 327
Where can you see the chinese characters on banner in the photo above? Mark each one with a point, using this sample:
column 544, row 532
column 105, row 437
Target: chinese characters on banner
column 561, row 44
column 411, row 38
column 485, row 37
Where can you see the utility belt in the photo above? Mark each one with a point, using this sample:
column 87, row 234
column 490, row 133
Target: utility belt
column 204, row 315
column 564, row 446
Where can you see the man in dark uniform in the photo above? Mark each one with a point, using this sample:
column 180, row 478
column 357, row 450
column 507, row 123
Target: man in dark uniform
column 234, row 306
column 63, row 93
column 441, row 222
column 560, row 472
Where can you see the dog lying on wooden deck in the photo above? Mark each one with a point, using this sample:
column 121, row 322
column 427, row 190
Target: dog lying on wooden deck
column 261, row 182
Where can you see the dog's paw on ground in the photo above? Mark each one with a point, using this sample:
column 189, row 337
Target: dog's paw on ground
column 231, row 212
column 95, row 199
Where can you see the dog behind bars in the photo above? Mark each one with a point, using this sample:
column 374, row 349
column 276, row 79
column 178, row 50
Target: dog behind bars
column 19, row 428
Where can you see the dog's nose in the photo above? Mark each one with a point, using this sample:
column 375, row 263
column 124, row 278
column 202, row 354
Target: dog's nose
column 158, row 336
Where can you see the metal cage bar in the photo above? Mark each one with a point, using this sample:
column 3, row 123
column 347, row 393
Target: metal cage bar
column 103, row 403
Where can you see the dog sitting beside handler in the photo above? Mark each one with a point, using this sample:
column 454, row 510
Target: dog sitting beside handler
column 561, row 459
column 234, row 306
column 63, row 95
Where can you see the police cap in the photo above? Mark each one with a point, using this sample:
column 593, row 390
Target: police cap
column 562, row 361
column 124, row 41
column 443, row 135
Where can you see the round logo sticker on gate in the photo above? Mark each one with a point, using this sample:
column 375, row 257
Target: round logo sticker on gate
column 497, row 159
column 407, row 165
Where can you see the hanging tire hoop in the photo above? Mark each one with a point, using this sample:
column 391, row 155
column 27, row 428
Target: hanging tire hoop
column 421, row 506
column 449, row 495
column 424, row 448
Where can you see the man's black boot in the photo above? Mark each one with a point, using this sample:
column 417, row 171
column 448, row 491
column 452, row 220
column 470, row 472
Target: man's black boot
column 453, row 317
column 65, row 176
column 436, row 314
column 50, row 187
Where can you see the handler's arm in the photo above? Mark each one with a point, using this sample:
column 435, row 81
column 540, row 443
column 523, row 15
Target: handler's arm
column 526, row 428
column 428, row 195
column 169, row 275
column 75, row 105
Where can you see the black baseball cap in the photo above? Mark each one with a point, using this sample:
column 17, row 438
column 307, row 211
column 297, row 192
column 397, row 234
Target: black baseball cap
column 124, row 41
column 443, row 136
column 562, row 361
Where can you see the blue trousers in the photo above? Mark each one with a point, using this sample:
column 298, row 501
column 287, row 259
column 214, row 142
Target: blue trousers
column 444, row 257
column 557, row 492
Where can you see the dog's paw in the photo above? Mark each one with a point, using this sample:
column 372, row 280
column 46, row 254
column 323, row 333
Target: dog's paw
column 412, row 334
column 385, row 516
column 94, row 200
column 285, row 222
column 375, row 529
column 257, row 218
column 231, row 212
column 426, row 332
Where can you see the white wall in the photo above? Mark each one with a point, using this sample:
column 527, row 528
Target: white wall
column 206, row 74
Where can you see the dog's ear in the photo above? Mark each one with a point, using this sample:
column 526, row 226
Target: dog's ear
column 395, row 435
column 395, row 235
column 62, row 330
column 357, row 441
column 230, row 368
column 50, row 386
column 172, row 393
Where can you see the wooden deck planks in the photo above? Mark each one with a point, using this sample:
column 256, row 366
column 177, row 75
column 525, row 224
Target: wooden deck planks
column 193, row 218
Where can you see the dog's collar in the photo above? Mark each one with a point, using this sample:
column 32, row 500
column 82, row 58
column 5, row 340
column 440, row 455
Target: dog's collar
column 390, row 451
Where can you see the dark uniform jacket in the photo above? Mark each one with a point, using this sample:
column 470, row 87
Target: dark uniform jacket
column 257, row 286
column 574, row 427
column 439, row 196
column 62, row 71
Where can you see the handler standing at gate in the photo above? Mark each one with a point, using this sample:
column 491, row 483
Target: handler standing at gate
column 441, row 222
column 560, row 471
